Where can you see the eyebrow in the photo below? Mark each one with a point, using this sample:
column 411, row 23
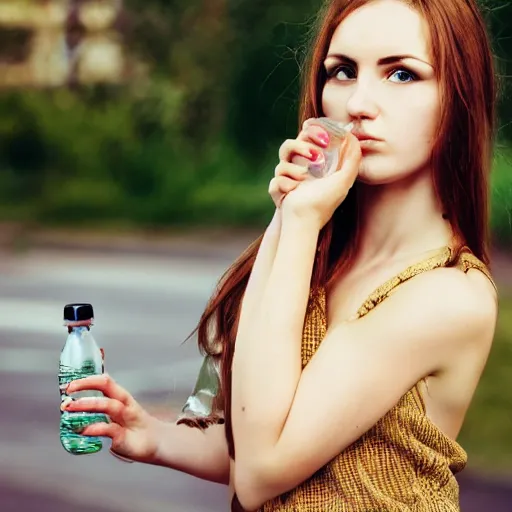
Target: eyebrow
column 381, row 62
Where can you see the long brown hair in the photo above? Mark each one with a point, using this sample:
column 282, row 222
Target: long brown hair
column 461, row 160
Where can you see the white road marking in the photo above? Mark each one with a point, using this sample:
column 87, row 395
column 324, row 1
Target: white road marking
column 28, row 361
column 172, row 377
column 176, row 277
column 32, row 316
column 38, row 316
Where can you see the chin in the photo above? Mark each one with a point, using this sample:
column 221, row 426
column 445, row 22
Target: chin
column 378, row 177
column 377, row 173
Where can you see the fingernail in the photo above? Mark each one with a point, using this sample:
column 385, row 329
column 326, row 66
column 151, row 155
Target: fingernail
column 324, row 138
column 65, row 403
column 314, row 155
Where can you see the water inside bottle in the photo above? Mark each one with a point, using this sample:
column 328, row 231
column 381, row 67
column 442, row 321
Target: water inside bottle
column 71, row 423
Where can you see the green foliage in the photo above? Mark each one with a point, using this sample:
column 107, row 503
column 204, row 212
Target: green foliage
column 195, row 143
column 193, row 138
column 115, row 154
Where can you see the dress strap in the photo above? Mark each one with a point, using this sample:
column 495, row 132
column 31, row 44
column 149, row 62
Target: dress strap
column 467, row 261
column 439, row 259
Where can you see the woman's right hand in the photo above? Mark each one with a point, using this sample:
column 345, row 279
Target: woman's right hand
column 294, row 157
column 134, row 432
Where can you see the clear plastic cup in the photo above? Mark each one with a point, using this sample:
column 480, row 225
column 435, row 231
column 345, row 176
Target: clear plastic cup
column 330, row 162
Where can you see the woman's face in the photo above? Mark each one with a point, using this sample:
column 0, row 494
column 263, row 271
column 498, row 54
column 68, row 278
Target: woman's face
column 381, row 76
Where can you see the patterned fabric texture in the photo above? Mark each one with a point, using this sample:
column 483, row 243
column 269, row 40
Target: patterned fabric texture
column 404, row 463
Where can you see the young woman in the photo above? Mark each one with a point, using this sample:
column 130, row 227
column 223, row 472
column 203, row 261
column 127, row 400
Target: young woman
column 344, row 347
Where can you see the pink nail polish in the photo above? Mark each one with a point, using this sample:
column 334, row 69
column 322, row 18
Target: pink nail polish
column 324, row 138
column 334, row 133
column 315, row 155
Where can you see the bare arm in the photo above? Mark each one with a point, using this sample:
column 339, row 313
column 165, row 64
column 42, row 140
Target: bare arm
column 267, row 362
column 141, row 437
column 375, row 360
column 200, row 453
column 260, row 272
column 203, row 453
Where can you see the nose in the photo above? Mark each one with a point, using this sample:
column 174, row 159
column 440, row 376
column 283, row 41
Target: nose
column 360, row 104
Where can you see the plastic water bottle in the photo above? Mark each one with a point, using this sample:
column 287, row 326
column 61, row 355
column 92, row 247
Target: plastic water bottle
column 330, row 161
column 80, row 357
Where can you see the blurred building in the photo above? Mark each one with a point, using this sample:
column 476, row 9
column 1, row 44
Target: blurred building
column 48, row 43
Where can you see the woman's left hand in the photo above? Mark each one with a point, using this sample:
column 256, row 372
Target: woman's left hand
column 316, row 199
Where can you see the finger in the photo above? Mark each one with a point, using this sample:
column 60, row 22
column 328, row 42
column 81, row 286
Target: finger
column 282, row 184
column 299, row 160
column 280, row 187
column 309, row 122
column 100, row 405
column 112, row 430
column 292, row 147
column 290, row 170
column 315, row 134
column 350, row 156
column 104, row 383
column 286, row 185
column 282, row 190
column 66, row 400
column 278, row 199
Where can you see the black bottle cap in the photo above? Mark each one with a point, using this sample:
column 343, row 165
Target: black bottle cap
column 78, row 312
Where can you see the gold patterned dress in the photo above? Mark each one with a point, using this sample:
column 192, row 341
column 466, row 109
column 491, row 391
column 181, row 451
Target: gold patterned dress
column 404, row 463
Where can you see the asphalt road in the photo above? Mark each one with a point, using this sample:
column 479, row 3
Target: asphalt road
column 145, row 307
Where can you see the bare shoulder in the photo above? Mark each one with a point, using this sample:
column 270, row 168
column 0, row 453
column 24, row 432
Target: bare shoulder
column 468, row 292
column 467, row 306
column 467, row 302
column 428, row 321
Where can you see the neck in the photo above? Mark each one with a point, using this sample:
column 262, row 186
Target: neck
column 401, row 219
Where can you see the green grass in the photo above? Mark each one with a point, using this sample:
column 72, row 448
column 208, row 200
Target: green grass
column 487, row 431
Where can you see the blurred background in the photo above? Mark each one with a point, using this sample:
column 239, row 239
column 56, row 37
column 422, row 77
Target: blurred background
column 136, row 142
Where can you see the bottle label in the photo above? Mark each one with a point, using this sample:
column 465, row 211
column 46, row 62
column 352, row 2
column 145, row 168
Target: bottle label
column 69, row 373
column 72, row 423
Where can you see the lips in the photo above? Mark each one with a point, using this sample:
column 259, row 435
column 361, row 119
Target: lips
column 361, row 136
